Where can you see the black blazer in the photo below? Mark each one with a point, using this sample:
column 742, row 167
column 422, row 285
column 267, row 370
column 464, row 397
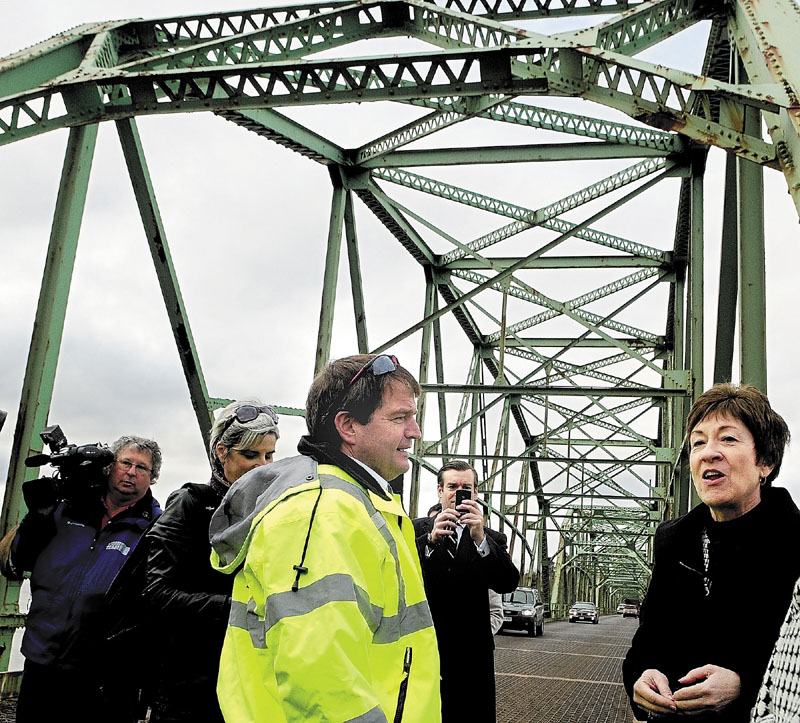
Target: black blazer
column 458, row 595
column 754, row 566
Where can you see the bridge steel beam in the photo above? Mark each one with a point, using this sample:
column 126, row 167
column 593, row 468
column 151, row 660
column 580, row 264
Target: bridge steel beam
column 561, row 338
column 40, row 371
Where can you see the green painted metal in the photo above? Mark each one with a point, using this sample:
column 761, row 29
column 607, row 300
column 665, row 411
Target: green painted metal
column 424, row 370
column 695, row 297
column 356, row 282
column 728, row 279
column 40, row 372
column 330, row 281
column 752, row 278
column 563, row 370
column 765, row 36
column 167, row 276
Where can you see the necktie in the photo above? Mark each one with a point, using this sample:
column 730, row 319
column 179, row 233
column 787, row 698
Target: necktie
column 451, row 544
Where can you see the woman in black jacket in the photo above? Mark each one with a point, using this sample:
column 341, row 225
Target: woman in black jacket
column 723, row 574
column 189, row 600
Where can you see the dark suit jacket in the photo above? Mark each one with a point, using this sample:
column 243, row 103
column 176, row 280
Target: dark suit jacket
column 457, row 591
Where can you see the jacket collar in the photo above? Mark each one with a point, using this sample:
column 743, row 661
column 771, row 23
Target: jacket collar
column 328, row 453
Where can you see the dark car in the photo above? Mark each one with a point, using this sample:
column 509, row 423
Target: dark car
column 630, row 611
column 584, row 611
column 523, row 610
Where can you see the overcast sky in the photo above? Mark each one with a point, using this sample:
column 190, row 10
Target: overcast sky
column 247, row 224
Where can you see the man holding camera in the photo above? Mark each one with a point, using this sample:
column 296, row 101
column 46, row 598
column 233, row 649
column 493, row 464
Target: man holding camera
column 79, row 531
column 461, row 561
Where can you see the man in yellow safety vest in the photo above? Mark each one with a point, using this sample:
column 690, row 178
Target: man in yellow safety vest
column 329, row 620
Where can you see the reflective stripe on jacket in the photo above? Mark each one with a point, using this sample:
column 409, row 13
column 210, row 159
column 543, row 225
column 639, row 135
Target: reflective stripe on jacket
column 355, row 641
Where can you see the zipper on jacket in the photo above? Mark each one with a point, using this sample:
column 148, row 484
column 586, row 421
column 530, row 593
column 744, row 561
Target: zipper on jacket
column 401, row 696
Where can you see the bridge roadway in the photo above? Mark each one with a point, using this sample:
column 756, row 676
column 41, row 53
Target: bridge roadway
column 572, row 674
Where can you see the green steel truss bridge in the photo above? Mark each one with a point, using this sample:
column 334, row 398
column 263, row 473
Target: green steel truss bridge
column 562, row 338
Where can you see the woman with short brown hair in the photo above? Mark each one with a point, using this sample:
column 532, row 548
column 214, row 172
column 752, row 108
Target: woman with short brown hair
column 723, row 573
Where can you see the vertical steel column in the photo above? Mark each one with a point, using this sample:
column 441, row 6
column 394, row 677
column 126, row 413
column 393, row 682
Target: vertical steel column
column 681, row 491
column 356, row 284
column 474, row 408
column 165, row 271
column 696, row 342
column 728, row 278
column 439, row 362
column 424, row 364
column 40, row 371
column 696, row 357
column 328, row 303
column 752, row 266
column 560, row 584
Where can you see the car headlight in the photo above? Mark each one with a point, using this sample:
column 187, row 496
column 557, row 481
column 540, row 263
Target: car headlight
column 573, row 612
column 527, row 612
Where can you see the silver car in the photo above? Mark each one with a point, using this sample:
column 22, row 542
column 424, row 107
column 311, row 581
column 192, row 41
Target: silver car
column 584, row 611
column 523, row 610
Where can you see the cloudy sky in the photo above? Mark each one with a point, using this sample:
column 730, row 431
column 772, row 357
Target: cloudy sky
column 247, row 224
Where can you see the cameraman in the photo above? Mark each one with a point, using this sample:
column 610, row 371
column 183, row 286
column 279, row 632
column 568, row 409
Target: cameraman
column 74, row 540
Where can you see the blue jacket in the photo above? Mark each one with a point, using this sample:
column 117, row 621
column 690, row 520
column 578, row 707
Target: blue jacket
column 73, row 563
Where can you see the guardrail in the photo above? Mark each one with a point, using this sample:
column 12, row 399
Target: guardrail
column 9, row 683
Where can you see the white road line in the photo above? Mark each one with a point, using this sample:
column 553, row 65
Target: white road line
column 559, row 652
column 566, row 680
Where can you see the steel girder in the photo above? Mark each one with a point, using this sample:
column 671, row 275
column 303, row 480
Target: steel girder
column 563, row 370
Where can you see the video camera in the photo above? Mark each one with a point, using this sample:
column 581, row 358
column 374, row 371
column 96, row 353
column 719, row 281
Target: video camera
column 78, row 467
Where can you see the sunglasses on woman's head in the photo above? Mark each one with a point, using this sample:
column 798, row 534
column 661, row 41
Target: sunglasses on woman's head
column 245, row 413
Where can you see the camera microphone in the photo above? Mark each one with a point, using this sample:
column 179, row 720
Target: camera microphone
column 37, row 460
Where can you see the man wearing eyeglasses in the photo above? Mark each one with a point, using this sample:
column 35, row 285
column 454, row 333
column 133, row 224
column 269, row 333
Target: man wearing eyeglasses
column 75, row 540
column 329, row 619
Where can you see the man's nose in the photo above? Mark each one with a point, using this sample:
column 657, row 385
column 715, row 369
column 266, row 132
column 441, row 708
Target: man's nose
column 413, row 431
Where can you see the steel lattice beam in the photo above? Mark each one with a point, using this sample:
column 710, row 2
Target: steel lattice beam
column 582, row 362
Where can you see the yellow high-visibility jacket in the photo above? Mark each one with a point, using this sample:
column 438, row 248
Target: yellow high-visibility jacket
column 329, row 620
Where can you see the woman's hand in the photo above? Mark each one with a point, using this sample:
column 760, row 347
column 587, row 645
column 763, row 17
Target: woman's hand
column 652, row 693
column 709, row 688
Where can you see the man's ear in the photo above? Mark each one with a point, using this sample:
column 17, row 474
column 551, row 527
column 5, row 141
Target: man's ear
column 345, row 426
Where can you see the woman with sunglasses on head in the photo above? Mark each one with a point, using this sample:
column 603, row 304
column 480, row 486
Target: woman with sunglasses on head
column 190, row 601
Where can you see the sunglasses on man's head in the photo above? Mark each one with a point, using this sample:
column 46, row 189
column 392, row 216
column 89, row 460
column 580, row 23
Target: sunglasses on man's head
column 379, row 365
